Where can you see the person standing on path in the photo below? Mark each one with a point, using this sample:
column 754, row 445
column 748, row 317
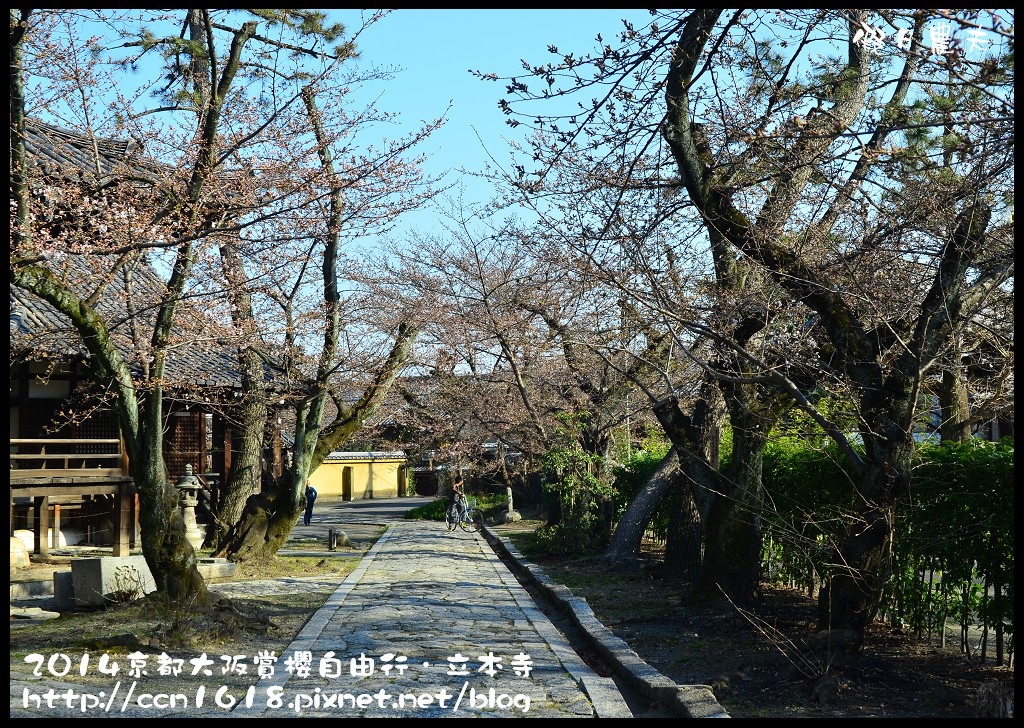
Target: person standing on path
column 310, row 500
column 458, row 499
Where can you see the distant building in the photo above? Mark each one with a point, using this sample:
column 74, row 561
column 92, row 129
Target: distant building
column 362, row 475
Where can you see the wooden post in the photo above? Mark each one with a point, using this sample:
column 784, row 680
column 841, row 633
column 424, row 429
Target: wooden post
column 125, row 465
column 55, row 543
column 122, row 520
column 41, row 527
column 136, row 533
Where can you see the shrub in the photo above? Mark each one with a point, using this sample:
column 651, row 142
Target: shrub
column 953, row 537
column 435, row 509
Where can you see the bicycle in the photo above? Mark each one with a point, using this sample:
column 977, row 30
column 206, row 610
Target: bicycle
column 470, row 519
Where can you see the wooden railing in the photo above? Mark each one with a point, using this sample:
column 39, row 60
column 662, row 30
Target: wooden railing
column 36, row 457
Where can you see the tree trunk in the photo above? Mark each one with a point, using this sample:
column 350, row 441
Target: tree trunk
column 849, row 598
column 731, row 564
column 251, row 413
column 729, row 503
column 246, row 464
column 551, row 502
column 732, row 534
column 270, row 515
column 266, row 523
column 169, row 555
column 860, row 565
column 629, row 532
column 953, row 402
column 684, row 550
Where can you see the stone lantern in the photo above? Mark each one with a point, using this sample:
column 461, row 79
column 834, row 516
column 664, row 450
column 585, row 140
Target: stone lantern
column 188, row 487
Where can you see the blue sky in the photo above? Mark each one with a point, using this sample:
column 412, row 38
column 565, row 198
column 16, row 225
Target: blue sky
column 436, row 49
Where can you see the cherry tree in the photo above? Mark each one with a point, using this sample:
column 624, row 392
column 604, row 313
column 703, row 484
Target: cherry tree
column 508, row 333
column 793, row 138
column 364, row 196
column 230, row 93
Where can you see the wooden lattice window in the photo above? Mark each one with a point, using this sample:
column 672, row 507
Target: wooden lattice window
column 184, row 442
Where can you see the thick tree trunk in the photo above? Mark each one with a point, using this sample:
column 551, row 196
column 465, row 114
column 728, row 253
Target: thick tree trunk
column 731, row 564
column 692, row 501
column 732, row 529
column 246, row 471
column 170, row 556
column 246, row 464
column 251, row 413
column 860, row 565
column 266, row 523
column 954, row 406
column 849, row 599
column 729, row 503
column 695, row 442
column 684, row 547
column 629, row 532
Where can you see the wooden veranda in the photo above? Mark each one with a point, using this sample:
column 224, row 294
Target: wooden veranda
column 48, row 475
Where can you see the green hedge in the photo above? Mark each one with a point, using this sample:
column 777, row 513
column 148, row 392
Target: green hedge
column 953, row 541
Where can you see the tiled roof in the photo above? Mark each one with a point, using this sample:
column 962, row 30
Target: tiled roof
column 35, row 326
column 56, row 150
column 369, row 455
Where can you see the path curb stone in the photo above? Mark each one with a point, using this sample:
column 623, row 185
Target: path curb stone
column 689, row 701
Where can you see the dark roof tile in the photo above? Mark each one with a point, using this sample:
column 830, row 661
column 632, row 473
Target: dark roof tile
column 36, row 327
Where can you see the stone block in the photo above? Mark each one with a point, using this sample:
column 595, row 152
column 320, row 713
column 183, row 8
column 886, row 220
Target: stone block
column 31, row 589
column 604, row 694
column 697, row 701
column 216, row 569
column 63, row 591
column 31, row 614
column 28, row 538
column 111, row 579
column 19, row 554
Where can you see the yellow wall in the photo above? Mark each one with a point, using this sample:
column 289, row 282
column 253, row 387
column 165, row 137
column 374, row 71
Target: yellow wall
column 369, row 478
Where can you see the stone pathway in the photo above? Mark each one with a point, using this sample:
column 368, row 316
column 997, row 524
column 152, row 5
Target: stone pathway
column 440, row 628
column 430, row 624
